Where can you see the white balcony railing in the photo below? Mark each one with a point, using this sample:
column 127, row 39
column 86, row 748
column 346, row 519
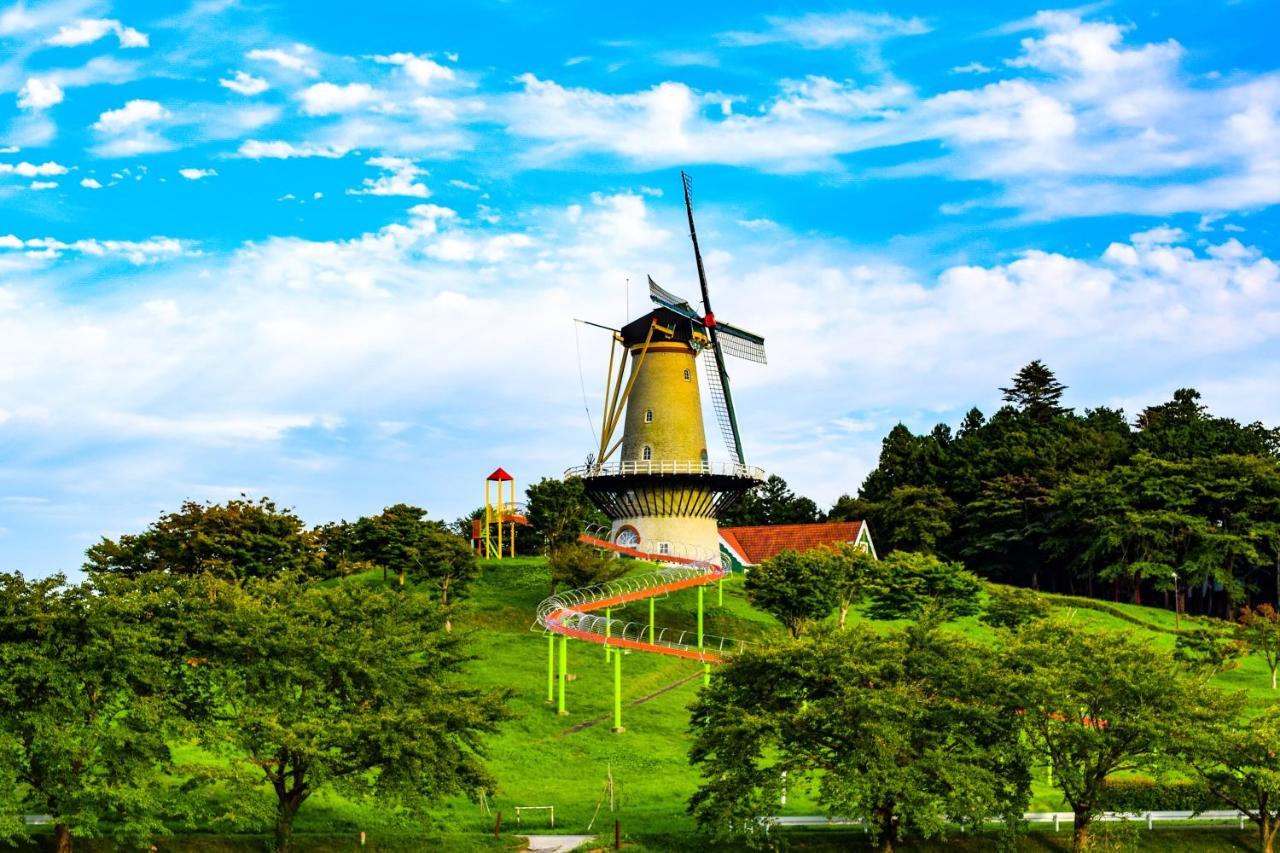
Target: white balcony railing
column 666, row 466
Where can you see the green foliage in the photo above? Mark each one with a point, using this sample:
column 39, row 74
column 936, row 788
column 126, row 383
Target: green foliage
column 1137, row 794
column 238, row 539
column 576, row 565
column 772, row 503
column 1239, row 763
column 1098, row 702
column 1036, row 392
column 1011, row 607
column 794, row 588
column 559, row 511
column 1208, row 648
column 1260, row 630
column 854, row 570
column 84, row 707
column 908, row 584
column 350, row 688
column 905, row 729
column 910, row 518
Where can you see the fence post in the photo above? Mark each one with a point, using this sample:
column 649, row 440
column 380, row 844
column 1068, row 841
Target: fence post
column 497, row 825
column 617, row 834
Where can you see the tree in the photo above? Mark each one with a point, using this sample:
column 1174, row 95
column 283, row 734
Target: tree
column 350, row 687
column 238, row 539
column 560, row 511
column 1260, row 629
column 1036, row 392
column 1239, row 763
column 1208, row 648
column 424, row 553
column 1011, row 607
column 576, row 566
column 794, row 588
column 83, row 707
column 906, row 729
column 854, row 570
column 910, row 518
column 1098, row 703
column 907, row 584
column 1182, row 429
column 772, row 503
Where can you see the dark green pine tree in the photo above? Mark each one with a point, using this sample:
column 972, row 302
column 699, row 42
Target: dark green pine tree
column 1036, row 392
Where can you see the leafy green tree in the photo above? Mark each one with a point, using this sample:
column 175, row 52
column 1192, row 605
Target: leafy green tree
column 794, row 588
column 854, row 570
column 773, row 503
column 1036, row 392
column 906, row 729
column 1182, row 429
column 1098, row 703
column 576, row 566
column 1260, row 629
column 238, row 539
column 1240, row 765
column 1208, row 648
column 351, row 688
column 424, row 553
column 336, row 547
column 908, row 584
column 84, row 708
column 910, row 518
column 1011, row 607
column 559, row 511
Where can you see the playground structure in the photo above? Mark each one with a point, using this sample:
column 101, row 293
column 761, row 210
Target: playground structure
column 494, row 535
column 662, row 494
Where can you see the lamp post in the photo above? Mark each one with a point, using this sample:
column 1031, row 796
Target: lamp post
column 1177, row 607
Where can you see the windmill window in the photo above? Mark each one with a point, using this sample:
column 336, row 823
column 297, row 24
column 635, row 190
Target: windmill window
column 647, row 453
column 648, row 416
column 704, row 456
column 664, row 547
column 687, row 375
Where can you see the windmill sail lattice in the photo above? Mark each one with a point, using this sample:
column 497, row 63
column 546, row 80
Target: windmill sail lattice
column 718, row 403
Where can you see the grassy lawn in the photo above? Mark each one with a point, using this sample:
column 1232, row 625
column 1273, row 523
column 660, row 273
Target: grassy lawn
column 538, row 762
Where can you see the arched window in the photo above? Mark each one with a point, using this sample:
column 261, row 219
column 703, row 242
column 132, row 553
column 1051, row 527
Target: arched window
column 647, row 453
column 648, row 416
column 627, row 537
column 687, row 375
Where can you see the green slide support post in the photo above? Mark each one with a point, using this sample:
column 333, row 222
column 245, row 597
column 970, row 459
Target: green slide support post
column 720, row 593
column 608, row 632
column 651, row 634
column 551, row 667
column 564, row 672
column 617, row 692
column 706, row 667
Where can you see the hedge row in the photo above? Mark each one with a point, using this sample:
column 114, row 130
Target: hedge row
column 1109, row 609
column 1140, row 794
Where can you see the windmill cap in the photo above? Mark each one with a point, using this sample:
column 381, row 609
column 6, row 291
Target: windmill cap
column 500, row 474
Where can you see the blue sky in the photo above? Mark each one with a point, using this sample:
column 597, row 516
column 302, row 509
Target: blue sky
column 334, row 258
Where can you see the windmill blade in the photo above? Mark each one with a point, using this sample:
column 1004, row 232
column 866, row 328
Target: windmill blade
column 667, row 299
column 740, row 343
column 720, row 403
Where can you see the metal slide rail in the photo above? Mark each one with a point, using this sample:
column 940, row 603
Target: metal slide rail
column 569, row 613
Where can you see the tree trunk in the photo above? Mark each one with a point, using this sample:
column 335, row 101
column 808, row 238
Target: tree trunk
column 888, row 829
column 62, row 838
column 285, row 813
column 1273, row 678
column 844, row 613
column 1080, row 838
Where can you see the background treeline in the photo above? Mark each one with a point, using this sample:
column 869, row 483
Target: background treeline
column 1042, row 496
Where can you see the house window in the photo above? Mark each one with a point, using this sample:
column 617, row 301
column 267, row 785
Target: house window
column 648, row 416
column 687, row 375
column 664, row 547
column 647, row 453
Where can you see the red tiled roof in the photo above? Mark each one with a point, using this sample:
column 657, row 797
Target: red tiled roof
column 757, row 544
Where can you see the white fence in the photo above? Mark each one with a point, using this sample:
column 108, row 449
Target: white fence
column 666, row 466
column 1058, row 819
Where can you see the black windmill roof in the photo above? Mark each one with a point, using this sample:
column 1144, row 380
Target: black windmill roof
column 635, row 332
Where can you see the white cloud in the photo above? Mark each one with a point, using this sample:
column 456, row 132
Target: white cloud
column 256, row 149
column 293, row 59
column 39, row 94
column 245, row 84
column 129, row 130
column 420, row 69
column 33, row 170
column 197, row 174
column 89, row 30
column 324, row 99
column 401, row 181
column 43, row 185
column 820, row 30
column 133, row 114
column 972, row 68
column 136, row 252
column 463, row 185
column 90, row 183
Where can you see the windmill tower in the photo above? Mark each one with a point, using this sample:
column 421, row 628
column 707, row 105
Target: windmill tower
column 656, row 482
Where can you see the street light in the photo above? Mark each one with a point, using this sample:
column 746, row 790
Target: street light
column 1177, row 610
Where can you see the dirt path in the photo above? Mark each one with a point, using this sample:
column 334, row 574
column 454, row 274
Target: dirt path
column 557, row 843
column 589, row 723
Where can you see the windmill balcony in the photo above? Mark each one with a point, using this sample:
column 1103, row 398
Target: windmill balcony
column 667, row 466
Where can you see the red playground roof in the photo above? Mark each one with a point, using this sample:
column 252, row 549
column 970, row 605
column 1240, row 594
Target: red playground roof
column 499, row 474
column 757, row 544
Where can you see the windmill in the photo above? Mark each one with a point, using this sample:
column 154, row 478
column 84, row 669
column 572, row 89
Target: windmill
column 663, row 493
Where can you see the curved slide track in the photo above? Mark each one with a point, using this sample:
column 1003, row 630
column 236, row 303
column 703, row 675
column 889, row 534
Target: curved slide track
column 574, row 614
